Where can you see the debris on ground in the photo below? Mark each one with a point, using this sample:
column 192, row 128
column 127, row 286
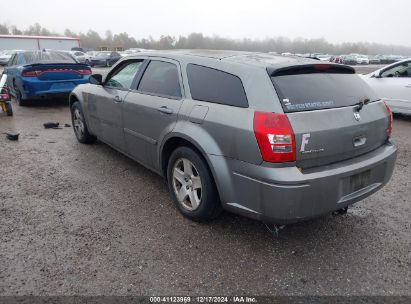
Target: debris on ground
column 67, row 125
column 275, row 231
column 12, row 135
column 51, row 125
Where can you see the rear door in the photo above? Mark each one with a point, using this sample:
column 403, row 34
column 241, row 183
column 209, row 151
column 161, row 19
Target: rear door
column 151, row 109
column 320, row 101
column 106, row 102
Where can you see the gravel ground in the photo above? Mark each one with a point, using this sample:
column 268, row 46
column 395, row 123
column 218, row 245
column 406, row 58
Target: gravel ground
column 85, row 220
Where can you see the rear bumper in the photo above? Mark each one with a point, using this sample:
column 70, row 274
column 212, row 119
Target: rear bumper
column 34, row 88
column 285, row 195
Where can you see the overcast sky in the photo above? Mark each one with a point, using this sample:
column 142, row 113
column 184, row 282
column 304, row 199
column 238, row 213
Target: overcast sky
column 335, row 20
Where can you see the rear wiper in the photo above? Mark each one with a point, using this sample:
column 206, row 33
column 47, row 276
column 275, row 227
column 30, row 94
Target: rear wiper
column 361, row 104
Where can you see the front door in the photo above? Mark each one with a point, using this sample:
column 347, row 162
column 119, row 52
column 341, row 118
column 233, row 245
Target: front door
column 106, row 102
column 151, row 109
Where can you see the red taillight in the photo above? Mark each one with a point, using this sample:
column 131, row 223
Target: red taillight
column 4, row 95
column 321, row 67
column 40, row 72
column 275, row 137
column 84, row 71
column 389, row 129
column 31, row 73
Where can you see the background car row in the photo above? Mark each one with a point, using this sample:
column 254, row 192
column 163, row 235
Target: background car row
column 108, row 58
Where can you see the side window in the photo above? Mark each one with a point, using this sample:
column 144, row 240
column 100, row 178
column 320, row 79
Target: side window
column 13, row 60
column 400, row 70
column 161, row 78
column 20, row 59
column 207, row 84
column 123, row 77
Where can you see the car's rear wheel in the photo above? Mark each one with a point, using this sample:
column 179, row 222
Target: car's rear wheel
column 79, row 125
column 19, row 97
column 192, row 186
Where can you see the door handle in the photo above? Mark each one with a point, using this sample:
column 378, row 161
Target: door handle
column 165, row 110
column 117, row 99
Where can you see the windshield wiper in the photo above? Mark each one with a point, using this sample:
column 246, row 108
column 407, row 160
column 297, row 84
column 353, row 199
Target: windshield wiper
column 362, row 103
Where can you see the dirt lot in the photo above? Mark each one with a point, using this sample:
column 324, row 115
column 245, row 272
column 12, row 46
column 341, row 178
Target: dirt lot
column 83, row 219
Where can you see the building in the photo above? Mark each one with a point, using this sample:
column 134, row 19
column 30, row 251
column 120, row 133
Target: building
column 22, row 42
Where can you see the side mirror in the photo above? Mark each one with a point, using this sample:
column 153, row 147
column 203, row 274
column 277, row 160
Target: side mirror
column 377, row 74
column 96, row 79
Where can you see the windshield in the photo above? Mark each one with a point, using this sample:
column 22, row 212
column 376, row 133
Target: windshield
column 307, row 92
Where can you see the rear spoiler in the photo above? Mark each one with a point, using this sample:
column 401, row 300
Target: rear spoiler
column 53, row 65
column 329, row 68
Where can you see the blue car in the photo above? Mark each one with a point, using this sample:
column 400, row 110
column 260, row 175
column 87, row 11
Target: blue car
column 33, row 75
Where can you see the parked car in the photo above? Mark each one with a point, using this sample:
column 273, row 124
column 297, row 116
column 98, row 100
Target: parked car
column 92, row 54
column 80, row 49
column 323, row 57
column 393, row 84
column 105, row 58
column 6, row 55
column 81, row 57
column 273, row 138
column 37, row 74
column 349, row 59
column 130, row 52
column 337, row 59
column 375, row 59
column 388, row 59
column 362, row 59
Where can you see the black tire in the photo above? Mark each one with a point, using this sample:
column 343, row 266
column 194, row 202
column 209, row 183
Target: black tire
column 77, row 118
column 20, row 101
column 209, row 205
column 9, row 109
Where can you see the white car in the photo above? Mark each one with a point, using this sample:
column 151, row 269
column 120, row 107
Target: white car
column 324, row 57
column 393, row 84
column 81, row 57
column 363, row 60
column 6, row 55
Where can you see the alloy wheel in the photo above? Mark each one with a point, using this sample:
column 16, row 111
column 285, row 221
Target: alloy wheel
column 78, row 123
column 187, row 184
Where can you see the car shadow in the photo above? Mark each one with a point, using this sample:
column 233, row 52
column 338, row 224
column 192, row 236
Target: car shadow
column 57, row 102
column 402, row 117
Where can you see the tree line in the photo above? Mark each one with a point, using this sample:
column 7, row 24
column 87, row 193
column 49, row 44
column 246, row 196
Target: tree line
column 93, row 40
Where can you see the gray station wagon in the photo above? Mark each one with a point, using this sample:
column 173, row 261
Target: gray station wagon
column 278, row 139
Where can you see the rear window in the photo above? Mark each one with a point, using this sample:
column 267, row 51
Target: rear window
column 161, row 78
column 316, row 91
column 207, row 84
column 48, row 57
